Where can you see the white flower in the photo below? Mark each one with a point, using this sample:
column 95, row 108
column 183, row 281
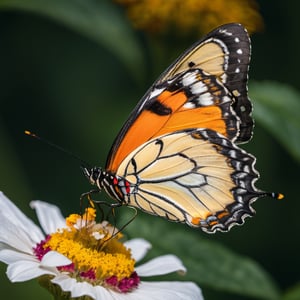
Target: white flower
column 22, row 248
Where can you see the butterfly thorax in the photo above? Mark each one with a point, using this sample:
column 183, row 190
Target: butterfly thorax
column 116, row 187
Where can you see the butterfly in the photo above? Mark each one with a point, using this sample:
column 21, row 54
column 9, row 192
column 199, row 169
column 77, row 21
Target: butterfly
column 177, row 156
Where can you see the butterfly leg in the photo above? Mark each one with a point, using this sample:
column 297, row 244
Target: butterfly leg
column 119, row 230
column 88, row 196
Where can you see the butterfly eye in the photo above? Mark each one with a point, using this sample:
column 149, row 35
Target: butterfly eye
column 95, row 174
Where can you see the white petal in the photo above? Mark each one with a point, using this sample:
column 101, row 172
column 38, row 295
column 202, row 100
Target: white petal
column 25, row 270
column 14, row 236
column 96, row 292
column 161, row 265
column 82, row 289
column 139, row 248
column 54, row 259
column 49, row 216
column 64, row 281
column 167, row 291
column 9, row 256
column 16, row 217
column 79, row 289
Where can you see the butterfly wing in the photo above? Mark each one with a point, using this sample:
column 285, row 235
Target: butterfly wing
column 197, row 177
column 204, row 88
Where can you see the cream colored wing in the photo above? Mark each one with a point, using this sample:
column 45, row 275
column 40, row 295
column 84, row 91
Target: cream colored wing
column 196, row 177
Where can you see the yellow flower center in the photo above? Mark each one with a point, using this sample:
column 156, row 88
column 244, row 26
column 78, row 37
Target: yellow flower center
column 93, row 248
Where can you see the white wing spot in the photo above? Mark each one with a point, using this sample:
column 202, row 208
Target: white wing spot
column 239, row 51
column 188, row 79
column 226, row 99
column 238, row 165
column 224, row 76
column 232, row 154
column 156, row 92
column 237, row 40
column 189, row 105
column 198, row 88
column 224, row 31
column 237, row 70
column 242, row 184
column 246, row 169
column 240, row 199
column 205, row 100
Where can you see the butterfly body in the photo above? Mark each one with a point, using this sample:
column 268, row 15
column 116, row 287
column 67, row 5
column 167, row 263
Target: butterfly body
column 177, row 155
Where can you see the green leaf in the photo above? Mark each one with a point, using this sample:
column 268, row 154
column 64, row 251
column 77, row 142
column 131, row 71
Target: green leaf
column 277, row 107
column 208, row 263
column 293, row 293
column 98, row 20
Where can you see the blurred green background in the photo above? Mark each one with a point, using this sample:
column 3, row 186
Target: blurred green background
column 62, row 78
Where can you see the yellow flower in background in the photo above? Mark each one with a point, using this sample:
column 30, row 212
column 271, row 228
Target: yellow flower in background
column 191, row 16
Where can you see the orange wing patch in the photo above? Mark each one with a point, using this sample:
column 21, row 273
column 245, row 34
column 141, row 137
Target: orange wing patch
column 202, row 117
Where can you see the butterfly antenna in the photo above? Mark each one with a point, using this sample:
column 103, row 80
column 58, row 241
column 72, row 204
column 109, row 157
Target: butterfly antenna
column 31, row 134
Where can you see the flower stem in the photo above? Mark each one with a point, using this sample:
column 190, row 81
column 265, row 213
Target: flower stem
column 54, row 289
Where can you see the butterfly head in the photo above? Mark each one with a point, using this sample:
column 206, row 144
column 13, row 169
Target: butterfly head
column 92, row 174
column 115, row 186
